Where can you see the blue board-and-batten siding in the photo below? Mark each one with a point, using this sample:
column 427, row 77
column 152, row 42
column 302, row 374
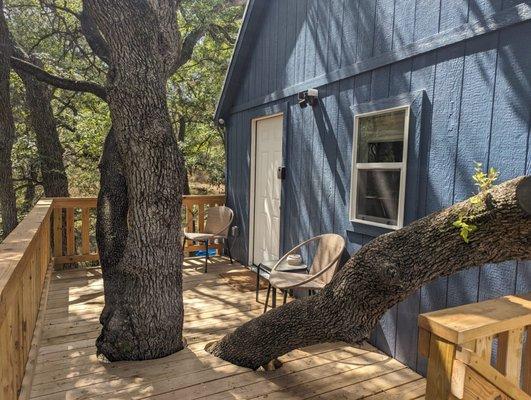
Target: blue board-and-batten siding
column 477, row 108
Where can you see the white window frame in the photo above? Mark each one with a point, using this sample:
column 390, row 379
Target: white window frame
column 401, row 166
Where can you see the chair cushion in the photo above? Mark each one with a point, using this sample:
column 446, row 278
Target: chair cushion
column 286, row 280
column 198, row 236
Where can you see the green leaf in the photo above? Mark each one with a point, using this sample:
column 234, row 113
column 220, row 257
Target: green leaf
column 464, row 235
column 475, row 199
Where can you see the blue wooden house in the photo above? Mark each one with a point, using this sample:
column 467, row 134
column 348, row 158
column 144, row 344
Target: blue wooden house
column 360, row 116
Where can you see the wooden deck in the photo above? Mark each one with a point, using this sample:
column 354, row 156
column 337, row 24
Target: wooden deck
column 67, row 366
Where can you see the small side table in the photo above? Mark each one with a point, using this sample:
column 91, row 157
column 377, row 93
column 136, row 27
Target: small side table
column 264, row 269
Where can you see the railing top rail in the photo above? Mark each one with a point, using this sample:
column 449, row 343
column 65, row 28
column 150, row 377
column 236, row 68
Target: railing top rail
column 65, row 202
column 76, row 202
column 16, row 246
column 198, row 197
column 469, row 322
column 193, row 196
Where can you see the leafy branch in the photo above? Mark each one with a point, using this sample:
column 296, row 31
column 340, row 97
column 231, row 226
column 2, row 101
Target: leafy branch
column 483, row 181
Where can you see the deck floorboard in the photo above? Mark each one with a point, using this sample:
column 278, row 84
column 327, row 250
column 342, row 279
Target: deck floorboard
column 68, row 368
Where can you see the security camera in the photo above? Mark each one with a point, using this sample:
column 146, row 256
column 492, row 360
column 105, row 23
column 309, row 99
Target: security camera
column 308, row 97
column 221, row 121
column 312, row 93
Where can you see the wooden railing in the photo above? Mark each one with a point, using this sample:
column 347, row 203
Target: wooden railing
column 479, row 351
column 56, row 232
column 74, row 223
column 73, row 230
column 195, row 209
column 25, row 268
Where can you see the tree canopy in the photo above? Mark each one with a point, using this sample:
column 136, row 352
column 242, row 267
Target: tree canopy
column 51, row 34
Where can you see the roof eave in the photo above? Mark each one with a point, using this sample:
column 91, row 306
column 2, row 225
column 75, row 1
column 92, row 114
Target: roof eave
column 220, row 106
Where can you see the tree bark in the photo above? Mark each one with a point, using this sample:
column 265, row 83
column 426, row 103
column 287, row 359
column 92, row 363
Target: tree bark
column 181, row 136
column 50, row 151
column 386, row 271
column 144, row 311
column 7, row 133
column 29, row 193
column 111, row 226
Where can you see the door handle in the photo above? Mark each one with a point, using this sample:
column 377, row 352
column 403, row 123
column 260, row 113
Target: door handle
column 281, row 173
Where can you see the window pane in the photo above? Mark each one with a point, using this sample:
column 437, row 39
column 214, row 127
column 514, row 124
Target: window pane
column 377, row 198
column 381, row 137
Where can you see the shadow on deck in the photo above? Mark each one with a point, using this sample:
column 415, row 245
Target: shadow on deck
column 67, row 366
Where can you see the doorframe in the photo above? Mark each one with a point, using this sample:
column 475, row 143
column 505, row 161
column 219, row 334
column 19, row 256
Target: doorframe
column 252, row 179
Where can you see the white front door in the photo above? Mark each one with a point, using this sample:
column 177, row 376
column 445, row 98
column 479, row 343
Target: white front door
column 267, row 158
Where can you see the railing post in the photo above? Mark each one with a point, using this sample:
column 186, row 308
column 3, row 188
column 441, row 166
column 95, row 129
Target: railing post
column 527, row 363
column 57, row 232
column 70, row 240
column 460, row 349
column 510, row 354
column 85, row 231
column 440, row 364
column 484, row 347
column 65, row 250
column 200, row 217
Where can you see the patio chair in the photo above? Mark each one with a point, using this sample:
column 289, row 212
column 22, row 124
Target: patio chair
column 218, row 220
column 329, row 249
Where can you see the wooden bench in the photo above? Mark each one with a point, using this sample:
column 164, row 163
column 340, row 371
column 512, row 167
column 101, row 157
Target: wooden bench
column 479, row 351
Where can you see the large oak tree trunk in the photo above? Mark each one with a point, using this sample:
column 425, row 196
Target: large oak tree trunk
column 386, row 271
column 7, row 133
column 143, row 316
column 50, row 151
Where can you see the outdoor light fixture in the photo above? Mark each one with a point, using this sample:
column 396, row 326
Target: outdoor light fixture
column 308, row 97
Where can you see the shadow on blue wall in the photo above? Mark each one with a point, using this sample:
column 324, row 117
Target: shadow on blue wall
column 479, row 94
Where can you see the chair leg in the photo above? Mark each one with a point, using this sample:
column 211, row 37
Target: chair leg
column 285, row 297
column 267, row 297
column 228, row 249
column 257, row 281
column 274, row 297
column 206, row 257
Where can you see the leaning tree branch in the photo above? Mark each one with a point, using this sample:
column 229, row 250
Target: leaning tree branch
column 57, row 81
column 187, row 48
column 193, row 37
column 386, row 271
column 94, row 38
